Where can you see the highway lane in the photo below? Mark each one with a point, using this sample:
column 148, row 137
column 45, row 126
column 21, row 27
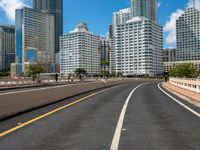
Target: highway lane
column 152, row 121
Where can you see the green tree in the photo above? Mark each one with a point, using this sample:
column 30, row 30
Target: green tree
column 104, row 64
column 184, row 70
column 80, row 71
column 113, row 74
column 34, row 70
column 105, row 73
column 119, row 74
column 4, row 73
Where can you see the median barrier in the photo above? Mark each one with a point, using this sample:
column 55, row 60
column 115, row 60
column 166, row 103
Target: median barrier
column 12, row 104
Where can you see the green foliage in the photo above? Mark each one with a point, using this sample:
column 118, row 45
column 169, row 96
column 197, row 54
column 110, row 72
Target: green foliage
column 113, row 74
column 119, row 74
column 4, row 73
column 80, row 71
column 33, row 70
column 184, row 70
column 105, row 62
column 105, row 73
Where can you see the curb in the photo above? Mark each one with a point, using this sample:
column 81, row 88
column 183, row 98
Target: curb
column 184, row 97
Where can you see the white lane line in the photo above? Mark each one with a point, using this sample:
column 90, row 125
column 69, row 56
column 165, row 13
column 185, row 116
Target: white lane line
column 40, row 89
column 180, row 103
column 116, row 138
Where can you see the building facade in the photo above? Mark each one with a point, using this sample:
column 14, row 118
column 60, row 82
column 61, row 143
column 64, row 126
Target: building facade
column 188, row 35
column 138, row 41
column 80, row 49
column 170, row 65
column 169, row 55
column 7, row 46
column 138, row 47
column 55, row 8
column 34, row 38
column 145, row 8
column 105, row 49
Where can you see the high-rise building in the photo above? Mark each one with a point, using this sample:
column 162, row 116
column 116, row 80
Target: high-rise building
column 7, row 46
column 105, row 53
column 145, row 8
column 138, row 41
column 34, row 39
column 55, row 8
column 138, row 47
column 188, row 35
column 169, row 55
column 80, row 49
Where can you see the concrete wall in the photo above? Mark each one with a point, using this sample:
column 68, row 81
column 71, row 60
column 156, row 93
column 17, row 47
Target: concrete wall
column 23, row 101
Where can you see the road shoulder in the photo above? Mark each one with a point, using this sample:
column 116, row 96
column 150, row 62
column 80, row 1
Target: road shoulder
column 186, row 95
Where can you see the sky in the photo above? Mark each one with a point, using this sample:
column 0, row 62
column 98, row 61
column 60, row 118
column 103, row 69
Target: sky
column 98, row 14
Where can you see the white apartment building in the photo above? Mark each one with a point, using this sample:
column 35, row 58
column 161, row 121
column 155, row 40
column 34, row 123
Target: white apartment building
column 188, row 35
column 80, row 49
column 138, row 47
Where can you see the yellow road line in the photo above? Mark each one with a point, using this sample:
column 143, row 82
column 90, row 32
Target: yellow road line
column 45, row 115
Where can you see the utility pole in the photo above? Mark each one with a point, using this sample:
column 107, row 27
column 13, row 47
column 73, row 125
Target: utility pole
column 194, row 3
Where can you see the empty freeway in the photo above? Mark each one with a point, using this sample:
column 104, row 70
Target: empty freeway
column 140, row 115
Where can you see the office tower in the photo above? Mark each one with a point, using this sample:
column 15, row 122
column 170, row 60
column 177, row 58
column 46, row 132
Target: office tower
column 145, row 8
column 138, row 47
column 7, row 46
column 188, row 35
column 169, row 55
column 80, row 49
column 105, row 53
column 138, row 40
column 34, row 39
column 55, row 8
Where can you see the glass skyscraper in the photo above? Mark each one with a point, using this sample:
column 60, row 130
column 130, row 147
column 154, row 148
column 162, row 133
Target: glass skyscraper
column 145, row 8
column 34, row 38
column 55, row 8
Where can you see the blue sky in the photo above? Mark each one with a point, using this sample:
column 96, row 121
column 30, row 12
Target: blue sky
column 98, row 14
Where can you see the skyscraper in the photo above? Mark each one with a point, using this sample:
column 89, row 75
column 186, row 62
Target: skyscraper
column 7, row 46
column 55, row 8
column 34, row 39
column 188, row 35
column 145, row 8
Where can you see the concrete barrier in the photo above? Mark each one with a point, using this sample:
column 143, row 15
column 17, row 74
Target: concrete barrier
column 12, row 104
column 188, row 84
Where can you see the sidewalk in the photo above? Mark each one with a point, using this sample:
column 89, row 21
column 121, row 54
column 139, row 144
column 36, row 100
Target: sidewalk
column 185, row 94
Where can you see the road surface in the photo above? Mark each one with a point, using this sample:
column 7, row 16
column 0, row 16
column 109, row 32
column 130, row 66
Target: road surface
column 134, row 116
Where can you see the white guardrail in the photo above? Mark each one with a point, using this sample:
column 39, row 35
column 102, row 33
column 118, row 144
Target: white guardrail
column 185, row 83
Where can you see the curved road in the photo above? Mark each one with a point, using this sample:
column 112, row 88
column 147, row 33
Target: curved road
column 149, row 119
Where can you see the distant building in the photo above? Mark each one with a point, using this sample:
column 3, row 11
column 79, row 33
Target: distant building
column 188, row 35
column 169, row 55
column 7, row 46
column 34, row 39
column 55, row 8
column 105, row 52
column 80, row 49
column 170, row 65
column 145, row 8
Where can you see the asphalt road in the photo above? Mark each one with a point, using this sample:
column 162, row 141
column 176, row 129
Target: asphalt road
column 150, row 121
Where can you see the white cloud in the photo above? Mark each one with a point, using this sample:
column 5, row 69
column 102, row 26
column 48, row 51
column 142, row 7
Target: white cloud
column 170, row 26
column 159, row 4
column 9, row 6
